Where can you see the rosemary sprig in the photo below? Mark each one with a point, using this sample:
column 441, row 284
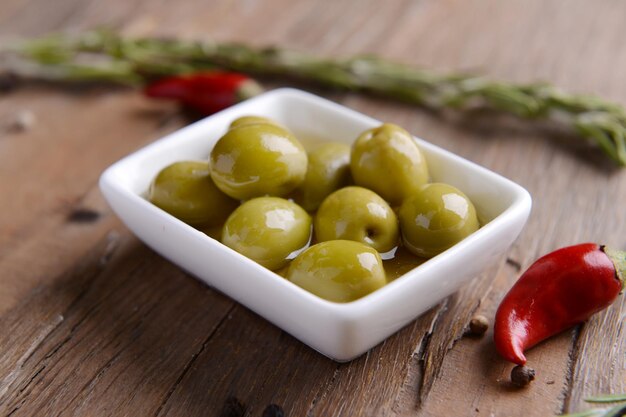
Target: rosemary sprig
column 611, row 398
column 615, row 411
column 587, row 413
column 107, row 56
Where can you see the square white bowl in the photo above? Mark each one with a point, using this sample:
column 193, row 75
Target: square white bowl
column 340, row 331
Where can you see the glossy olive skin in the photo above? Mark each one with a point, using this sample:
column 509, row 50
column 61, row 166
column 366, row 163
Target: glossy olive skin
column 328, row 170
column 338, row 270
column 436, row 218
column 252, row 120
column 268, row 230
column 387, row 160
column 256, row 160
column 186, row 191
column 358, row 214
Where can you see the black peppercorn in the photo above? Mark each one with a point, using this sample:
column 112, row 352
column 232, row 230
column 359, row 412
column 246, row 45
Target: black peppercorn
column 522, row 375
column 478, row 325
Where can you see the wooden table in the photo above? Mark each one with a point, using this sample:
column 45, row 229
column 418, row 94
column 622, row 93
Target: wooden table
column 94, row 323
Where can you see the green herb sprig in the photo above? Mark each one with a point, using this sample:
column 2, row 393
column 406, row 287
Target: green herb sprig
column 615, row 411
column 107, row 56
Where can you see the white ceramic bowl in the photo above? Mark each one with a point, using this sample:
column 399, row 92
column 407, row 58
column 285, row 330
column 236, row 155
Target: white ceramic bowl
column 339, row 331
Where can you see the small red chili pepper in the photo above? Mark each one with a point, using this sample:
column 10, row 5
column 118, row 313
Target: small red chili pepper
column 204, row 92
column 559, row 290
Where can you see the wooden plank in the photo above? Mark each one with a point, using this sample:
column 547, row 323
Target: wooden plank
column 599, row 366
column 29, row 17
column 122, row 325
column 49, row 168
column 260, row 365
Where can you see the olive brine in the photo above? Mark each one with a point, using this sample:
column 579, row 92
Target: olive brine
column 326, row 219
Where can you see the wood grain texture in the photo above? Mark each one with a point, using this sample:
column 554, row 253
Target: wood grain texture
column 94, row 323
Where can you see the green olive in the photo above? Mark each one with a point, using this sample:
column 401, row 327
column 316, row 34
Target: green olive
column 328, row 170
column 268, row 230
column 186, row 191
column 338, row 270
column 252, row 120
column 436, row 218
column 356, row 213
column 388, row 161
column 258, row 159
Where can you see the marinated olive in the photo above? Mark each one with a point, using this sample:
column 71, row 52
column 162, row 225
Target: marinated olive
column 186, row 191
column 356, row 213
column 328, row 170
column 252, row 120
column 268, row 230
column 436, row 218
column 338, row 270
column 258, row 159
column 388, row 161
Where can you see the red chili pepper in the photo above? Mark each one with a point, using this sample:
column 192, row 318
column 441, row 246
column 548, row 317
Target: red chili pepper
column 204, row 92
column 559, row 290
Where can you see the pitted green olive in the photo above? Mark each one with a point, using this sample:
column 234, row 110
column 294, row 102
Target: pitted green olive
column 356, row 213
column 256, row 160
column 252, row 120
column 388, row 161
column 328, row 170
column 338, row 270
column 268, row 230
column 185, row 190
column 436, row 218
